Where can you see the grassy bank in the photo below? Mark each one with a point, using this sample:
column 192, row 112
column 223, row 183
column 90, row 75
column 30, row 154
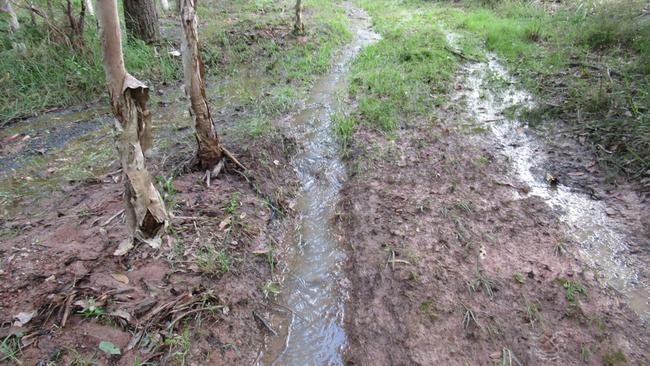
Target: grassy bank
column 405, row 75
column 257, row 70
column 48, row 73
column 588, row 62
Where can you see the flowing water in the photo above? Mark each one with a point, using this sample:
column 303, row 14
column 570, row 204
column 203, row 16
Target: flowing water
column 602, row 247
column 312, row 332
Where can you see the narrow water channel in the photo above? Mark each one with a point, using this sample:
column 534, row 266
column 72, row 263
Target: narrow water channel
column 601, row 245
column 315, row 289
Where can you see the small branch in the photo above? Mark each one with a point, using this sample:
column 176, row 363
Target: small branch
column 265, row 323
column 232, row 158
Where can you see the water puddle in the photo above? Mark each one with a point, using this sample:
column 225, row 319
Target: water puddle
column 602, row 247
column 315, row 288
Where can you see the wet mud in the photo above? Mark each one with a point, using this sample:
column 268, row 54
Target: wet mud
column 602, row 241
column 461, row 253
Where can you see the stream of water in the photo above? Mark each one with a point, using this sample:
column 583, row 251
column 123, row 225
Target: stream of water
column 315, row 289
column 601, row 246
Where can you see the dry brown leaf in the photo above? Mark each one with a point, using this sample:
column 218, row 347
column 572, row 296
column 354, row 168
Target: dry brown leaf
column 120, row 277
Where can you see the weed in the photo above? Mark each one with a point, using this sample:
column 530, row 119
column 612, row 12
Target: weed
column 573, row 289
column 270, row 259
column 429, row 309
column 10, row 348
column 482, row 281
column 167, row 189
column 585, row 353
column 233, row 204
column 533, row 314
column 614, row 358
column 559, row 249
column 270, row 289
column 463, row 206
column 519, row 278
column 91, row 310
column 180, row 344
column 507, row 358
column 469, row 317
column 212, row 261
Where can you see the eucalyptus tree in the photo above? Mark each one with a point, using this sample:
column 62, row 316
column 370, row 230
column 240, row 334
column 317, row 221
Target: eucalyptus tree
column 145, row 211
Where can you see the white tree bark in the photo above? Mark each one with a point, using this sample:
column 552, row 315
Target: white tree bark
column 164, row 4
column 5, row 7
column 89, row 7
column 299, row 27
column 209, row 151
column 145, row 212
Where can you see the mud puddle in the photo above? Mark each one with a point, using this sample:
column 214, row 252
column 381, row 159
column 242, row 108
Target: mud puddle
column 602, row 246
column 310, row 322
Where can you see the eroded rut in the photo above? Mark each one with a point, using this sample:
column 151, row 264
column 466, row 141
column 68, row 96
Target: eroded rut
column 602, row 246
column 315, row 288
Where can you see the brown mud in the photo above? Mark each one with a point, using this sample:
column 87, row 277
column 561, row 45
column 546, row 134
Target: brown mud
column 206, row 279
column 454, row 261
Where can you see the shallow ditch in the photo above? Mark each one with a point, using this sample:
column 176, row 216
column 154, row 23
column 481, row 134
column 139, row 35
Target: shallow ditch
column 309, row 320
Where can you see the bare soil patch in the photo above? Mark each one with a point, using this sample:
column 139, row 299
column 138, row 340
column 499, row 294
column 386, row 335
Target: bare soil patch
column 191, row 300
column 449, row 268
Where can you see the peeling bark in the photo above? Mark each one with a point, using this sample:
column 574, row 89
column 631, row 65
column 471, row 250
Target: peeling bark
column 89, row 7
column 5, row 7
column 145, row 212
column 299, row 27
column 209, row 151
column 141, row 19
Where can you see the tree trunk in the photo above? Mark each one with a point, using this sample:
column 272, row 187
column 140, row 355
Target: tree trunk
column 299, row 27
column 5, row 7
column 89, row 7
column 50, row 10
column 164, row 4
column 145, row 212
column 209, row 151
column 141, row 19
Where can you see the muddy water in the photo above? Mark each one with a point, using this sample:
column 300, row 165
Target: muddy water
column 602, row 247
column 315, row 287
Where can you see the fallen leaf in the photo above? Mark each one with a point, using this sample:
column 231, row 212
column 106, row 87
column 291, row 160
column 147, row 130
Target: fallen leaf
column 109, row 348
column 23, row 318
column 124, row 247
column 121, row 314
column 224, row 223
column 120, row 277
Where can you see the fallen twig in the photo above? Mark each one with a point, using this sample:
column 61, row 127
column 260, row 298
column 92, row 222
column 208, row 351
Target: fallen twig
column 265, row 323
column 232, row 157
column 113, row 217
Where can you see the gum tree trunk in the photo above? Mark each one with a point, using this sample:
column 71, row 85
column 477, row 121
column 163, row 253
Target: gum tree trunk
column 145, row 212
column 299, row 27
column 5, row 7
column 90, row 7
column 141, row 19
column 209, row 151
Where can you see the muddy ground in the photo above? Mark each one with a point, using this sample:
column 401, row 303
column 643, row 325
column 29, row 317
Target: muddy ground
column 448, row 267
column 208, row 276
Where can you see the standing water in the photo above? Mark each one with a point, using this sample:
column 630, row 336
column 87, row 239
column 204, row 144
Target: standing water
column 600, row 244
column 312, row 333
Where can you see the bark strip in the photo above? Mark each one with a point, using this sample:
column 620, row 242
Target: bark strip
column 145, row 212
column 5, row 7
column 209, row 152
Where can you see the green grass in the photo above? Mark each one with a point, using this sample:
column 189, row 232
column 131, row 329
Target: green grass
column 50, row 74
column 588, row 62
column 403, row 76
